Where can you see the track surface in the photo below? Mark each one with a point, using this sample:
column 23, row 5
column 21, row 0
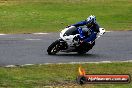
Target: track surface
column 21, row 49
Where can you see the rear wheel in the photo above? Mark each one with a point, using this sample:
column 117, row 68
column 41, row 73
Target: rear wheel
column 84, row 48
column 54, row 48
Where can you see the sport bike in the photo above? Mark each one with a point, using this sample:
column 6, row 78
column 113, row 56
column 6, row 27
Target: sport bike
column 69, row 41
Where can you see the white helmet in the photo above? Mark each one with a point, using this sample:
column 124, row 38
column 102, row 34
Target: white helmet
column 91, row 19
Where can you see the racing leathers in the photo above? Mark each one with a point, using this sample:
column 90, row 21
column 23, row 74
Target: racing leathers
column 94, row 29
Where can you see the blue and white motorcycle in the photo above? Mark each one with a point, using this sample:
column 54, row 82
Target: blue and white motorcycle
column 69, row 41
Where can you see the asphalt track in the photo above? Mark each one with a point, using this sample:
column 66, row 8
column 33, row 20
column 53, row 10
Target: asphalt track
column 21, row 49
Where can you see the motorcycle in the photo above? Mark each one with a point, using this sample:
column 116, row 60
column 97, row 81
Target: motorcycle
column 69, row 41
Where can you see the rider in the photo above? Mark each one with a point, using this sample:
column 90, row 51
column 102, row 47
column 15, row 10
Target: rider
column 92, row 26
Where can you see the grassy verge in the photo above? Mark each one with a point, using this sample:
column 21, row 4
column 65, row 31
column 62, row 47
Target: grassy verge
column 60, row 75
column 27, row 16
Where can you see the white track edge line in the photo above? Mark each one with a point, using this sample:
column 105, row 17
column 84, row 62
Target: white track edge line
column 40, row 33
column 3, row 34
column 10, row 66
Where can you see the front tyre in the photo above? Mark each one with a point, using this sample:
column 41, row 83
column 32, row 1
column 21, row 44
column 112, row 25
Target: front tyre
column 54, row 48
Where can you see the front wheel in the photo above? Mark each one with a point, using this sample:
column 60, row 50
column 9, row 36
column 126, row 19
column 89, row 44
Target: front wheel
column 54, row 48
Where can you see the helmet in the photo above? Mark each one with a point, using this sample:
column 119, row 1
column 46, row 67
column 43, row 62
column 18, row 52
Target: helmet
column 91, row 19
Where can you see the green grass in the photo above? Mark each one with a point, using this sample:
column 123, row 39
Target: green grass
column 60, row 75
column 27, row 16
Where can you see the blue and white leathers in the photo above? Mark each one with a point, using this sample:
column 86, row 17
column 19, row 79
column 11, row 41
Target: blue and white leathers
column 94, row 29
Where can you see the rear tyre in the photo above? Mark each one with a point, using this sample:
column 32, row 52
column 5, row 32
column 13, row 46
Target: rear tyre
column 54, row 48
column 84, row 48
